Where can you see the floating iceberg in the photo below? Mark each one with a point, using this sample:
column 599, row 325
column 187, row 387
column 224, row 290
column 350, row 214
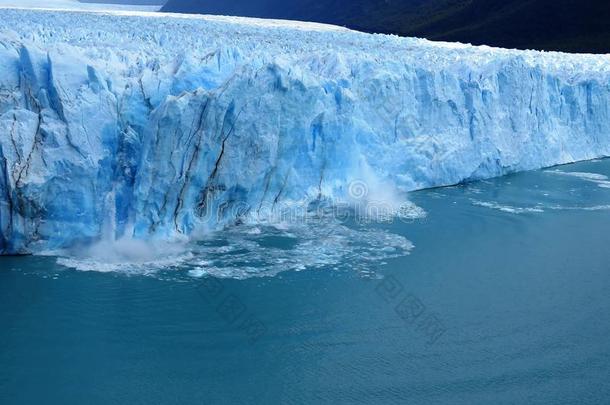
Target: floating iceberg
column 128, row 125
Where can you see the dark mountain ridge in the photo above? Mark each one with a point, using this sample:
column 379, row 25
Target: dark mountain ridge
column 562, row 25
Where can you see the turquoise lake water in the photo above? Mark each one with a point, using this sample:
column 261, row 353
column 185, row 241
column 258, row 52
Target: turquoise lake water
column 499, row 294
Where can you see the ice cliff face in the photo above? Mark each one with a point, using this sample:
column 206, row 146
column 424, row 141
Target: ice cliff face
column 161, row 126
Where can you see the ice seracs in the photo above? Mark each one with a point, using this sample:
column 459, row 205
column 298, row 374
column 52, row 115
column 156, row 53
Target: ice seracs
column 73, row 5
column 163, row 126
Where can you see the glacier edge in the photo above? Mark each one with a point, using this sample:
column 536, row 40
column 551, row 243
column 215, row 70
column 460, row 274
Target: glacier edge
column 126, row 125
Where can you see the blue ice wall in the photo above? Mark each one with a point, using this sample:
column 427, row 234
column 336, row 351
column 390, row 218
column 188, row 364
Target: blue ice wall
column 165, row 127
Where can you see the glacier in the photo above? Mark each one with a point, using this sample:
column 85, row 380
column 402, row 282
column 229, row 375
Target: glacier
column 71, row 5
column 155, row 126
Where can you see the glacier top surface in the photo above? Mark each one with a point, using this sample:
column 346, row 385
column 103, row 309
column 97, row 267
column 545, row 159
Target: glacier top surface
column 162, row 36
column 73, row 5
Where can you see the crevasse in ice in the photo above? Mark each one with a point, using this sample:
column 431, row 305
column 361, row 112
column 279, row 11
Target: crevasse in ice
column 140, row 125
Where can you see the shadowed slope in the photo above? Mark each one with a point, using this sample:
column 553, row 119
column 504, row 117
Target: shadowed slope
column 564, row 25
